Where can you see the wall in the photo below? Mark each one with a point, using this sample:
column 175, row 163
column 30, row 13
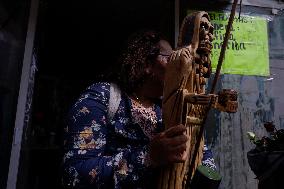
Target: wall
column 265, row 3
column 278, row 4
column 260, row 99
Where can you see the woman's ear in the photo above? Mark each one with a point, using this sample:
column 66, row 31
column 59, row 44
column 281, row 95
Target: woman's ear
column 149, row 68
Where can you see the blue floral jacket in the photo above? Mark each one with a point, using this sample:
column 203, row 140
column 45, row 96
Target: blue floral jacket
column 108, row 154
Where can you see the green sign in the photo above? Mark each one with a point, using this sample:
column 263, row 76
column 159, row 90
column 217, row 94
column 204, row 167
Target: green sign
column 247, row 50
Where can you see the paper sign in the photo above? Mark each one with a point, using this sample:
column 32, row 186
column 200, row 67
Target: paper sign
column 247, row 50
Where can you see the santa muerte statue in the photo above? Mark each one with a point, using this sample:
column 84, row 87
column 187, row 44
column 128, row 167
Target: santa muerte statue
column 186, row 101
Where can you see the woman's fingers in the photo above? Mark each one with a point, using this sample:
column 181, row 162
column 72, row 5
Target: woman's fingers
column 179, row 158
column 175, row 130
column 169, row 146
column 177, row 140
column 178, row 149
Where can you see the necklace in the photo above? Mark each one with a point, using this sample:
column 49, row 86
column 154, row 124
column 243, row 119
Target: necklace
column 141, row 103
column 144, row 116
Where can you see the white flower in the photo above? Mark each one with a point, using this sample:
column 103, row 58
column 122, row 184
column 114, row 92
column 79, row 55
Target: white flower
column 95, row 126
column 209, row 163
column 68, row 155
column 251, row 135
column 135, row 177
column 82, row 151
column 109, row 163
column 118, row 158
column 100, row 142
column 123, row 120
column 130, row 168
column 141, row 157
column 82, row 98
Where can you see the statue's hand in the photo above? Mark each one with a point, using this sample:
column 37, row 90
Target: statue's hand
column 201, row 99
column 227, row 101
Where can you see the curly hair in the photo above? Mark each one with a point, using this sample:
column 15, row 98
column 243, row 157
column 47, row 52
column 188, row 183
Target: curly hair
column 141, row 50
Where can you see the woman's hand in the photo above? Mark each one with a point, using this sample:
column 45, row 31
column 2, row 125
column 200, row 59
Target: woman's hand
column 169, row 146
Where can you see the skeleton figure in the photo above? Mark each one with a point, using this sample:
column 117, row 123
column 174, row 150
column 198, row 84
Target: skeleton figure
column 184, row 98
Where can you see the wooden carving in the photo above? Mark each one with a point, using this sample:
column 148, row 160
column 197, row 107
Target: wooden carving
column 185, row 100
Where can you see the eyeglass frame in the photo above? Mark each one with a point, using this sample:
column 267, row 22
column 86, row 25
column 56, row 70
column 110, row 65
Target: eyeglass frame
column 167, row 56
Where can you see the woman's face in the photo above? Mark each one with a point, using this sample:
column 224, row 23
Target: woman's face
column 159, row 67
column 161, row 61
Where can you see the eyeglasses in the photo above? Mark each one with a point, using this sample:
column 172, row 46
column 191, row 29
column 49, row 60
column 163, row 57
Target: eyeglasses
column 165, row 56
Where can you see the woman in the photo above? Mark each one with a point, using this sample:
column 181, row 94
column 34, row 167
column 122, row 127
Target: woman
column 123, row 151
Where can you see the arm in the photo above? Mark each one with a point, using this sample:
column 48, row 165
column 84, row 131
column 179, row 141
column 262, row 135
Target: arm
column 86, row 162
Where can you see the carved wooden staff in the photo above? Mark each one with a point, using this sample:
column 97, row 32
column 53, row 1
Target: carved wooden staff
column 224, row 45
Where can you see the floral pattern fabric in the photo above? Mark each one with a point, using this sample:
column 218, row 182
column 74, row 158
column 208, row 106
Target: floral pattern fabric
column 100, row 153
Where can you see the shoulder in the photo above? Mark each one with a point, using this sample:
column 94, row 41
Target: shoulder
column 98, row 90
column 102, row 87
column 95, row 93
column 91, row 105
column 98, row 87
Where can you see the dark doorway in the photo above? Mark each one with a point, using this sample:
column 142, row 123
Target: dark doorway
column 76, row 42
column 13, row 29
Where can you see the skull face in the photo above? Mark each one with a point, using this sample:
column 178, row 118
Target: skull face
column 205, row 36
column 205, row 47
column 197, row 31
